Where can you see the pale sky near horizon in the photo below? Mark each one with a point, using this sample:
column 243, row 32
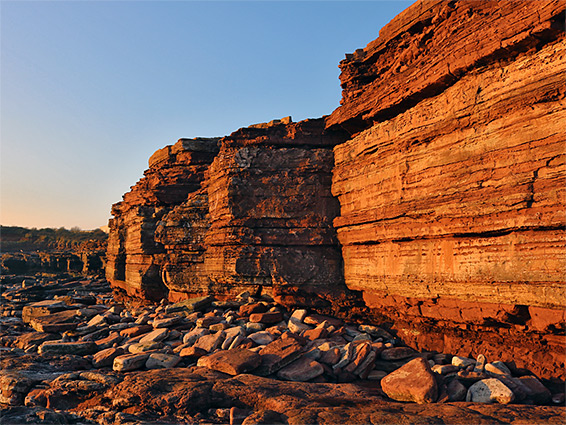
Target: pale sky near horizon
column 90, row 89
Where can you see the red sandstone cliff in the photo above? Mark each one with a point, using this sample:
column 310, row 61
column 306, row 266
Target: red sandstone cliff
column 452, row 188
column 446, row 158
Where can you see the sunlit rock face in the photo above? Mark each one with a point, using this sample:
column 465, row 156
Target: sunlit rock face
column 452, row 188
column 262, row 221
column 134, row 256
column 436, row 190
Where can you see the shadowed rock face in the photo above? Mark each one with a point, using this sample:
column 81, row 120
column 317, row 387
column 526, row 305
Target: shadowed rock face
column 436, row 190
column 134, row 256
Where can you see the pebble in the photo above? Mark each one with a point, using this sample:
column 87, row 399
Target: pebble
column 463, row 362
column 497, row 368
column 489, row 391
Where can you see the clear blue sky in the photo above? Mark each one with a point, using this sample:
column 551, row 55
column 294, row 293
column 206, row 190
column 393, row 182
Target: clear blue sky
column 90, row 89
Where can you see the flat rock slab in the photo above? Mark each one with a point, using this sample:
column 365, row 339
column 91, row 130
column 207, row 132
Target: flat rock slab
column 42, row 308
column 190, row 305
column 128, row 362
column 79, row 348
column 412, row 382
column 301, row 370
column 269, row 317
column 232, row 362
column 105, row 358
column 56, row 322
column 278, row 354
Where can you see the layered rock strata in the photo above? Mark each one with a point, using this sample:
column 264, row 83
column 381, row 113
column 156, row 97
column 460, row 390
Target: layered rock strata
column 262, row 220
column 271, row 212
column 446, row 159
column 452, row 188
column 134, row 256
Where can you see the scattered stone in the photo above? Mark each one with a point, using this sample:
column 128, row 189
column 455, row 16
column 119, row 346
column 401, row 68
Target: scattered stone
column 135, row 331
column 166, row 322
column 261, row 338
column 269, row 317
column 278, row 354
column 462, row 362
column 162, row 361
column 480, row 364
column 301, row 370
column 536, row 391
column 232, row 362
column 456, row 391
column 190, row 305
column 156, row 336
column 397, row 353
column 210, row 342
column 376, row 375
column 105, row 358
column 445, row 369
column 79, row 348
column 497, row 368
column 127, row 362
column 412, row 382
column 489, row 391
column 142, row 347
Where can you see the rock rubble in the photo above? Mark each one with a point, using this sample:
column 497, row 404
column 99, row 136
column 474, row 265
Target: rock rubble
column 57, row 372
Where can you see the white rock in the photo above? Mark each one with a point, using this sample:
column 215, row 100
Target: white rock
column 462, row 361
column 296, row 326
column 497, row 368
column 254, row 327
column 489, row 391
column 480, row 364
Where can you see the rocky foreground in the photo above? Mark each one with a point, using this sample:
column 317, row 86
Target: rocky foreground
column 72, row 354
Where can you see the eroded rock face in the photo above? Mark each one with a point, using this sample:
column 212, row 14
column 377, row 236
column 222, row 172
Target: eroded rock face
column 134, row 256
column 437, row 189
column 452, row 190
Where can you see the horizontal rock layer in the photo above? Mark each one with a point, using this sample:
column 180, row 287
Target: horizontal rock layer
column 453, row 200
column 437, row 190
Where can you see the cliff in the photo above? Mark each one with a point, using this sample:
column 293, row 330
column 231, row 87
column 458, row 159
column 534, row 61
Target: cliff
column 436, row 191
column 452, row 189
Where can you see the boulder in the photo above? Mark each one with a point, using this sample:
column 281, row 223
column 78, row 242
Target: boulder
column 412, row 382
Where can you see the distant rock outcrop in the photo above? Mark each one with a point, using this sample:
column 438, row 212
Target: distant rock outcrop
column 446, row 160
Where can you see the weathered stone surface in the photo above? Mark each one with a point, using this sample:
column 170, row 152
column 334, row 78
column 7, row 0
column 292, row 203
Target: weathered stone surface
column 269, row 317
column 452, row 186
column 278, row 354
column 134, row 257
column 127, row 362
column 162, row 361
column 105, row 358
column 232, row 362
column 80, row 348
column 210, row 342
column 301, row 370
column 489, row 391
column 411, row 382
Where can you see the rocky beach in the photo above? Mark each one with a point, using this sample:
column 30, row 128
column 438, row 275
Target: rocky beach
column 79, row 357
column 399, row 261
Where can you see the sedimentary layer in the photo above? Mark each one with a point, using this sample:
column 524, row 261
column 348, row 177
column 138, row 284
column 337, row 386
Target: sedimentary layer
column 453, row 196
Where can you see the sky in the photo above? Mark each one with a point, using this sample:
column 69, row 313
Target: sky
column 90, row 89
